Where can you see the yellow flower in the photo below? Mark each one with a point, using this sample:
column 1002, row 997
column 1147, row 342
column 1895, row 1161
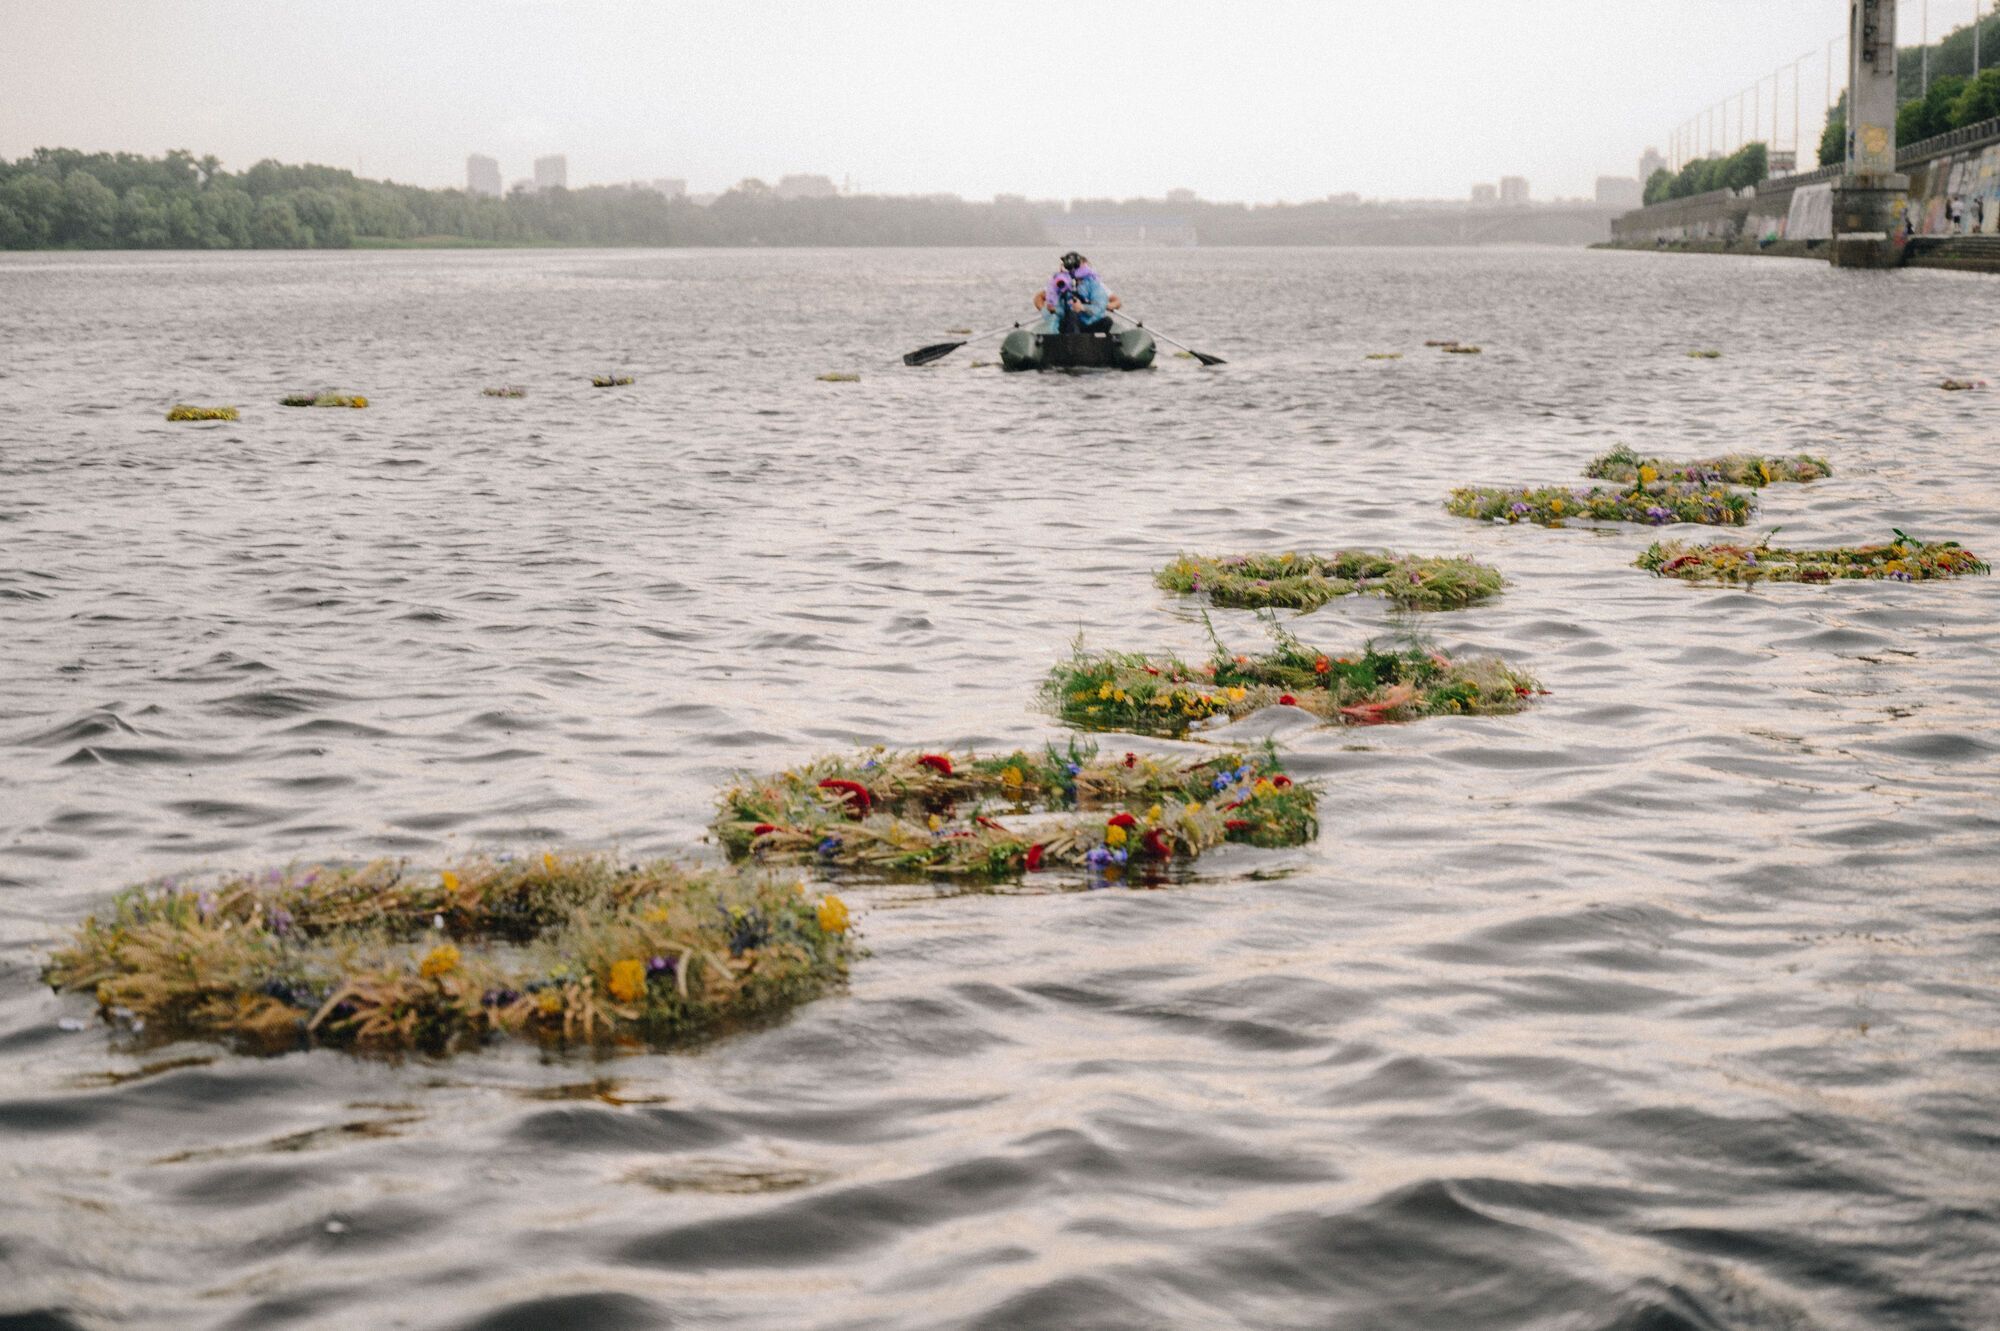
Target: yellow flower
column 1235, row 694
column 1555, row 505
column 1164, row 701
column 1647, row 475
column 1764, row 469
column 936, row 822
column 1120, row 696
column 548, row 862
column 358, row 402
column 628, row 980
column 1104, row 689
column 450, row 880
column 1263, row 786
column 833, row 914
column 439, row 962
column 1114, row 836
column 549, row 1001
column 1011, row 778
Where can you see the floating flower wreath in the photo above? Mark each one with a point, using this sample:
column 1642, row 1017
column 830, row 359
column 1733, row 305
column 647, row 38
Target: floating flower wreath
column 1003, row 815
column 181, row 411
column 1622, row 464
column 322, row 400
column 564, row 949
column 1654, row 505
column 1904, row 559
column 1150, row 695
column 1306, row 582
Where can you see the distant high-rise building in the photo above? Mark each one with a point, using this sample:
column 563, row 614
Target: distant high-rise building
column 806, row 187
column 1617, row 192
column 1513, row 191
column 482, row 175
column 552, row 172
column 1649, row 162
column 1485, row 193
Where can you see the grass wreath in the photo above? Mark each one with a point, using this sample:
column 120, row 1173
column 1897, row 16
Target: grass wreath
column 321, row 400
column 1754, row 470
column 999, row 816
column 1165, row 695
column 382, row 958
column 1306, row 582
column 181, row 411
column 1903, row 559
column 1654, row 505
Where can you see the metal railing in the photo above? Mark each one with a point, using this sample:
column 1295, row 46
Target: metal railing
column 1920, row 151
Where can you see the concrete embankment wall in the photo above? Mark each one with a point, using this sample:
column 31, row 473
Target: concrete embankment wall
column 1952, row 221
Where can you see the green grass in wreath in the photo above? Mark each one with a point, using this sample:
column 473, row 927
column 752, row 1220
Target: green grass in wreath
column 1306, row 582
column 987, row 817
column 181, row 411
column 1904, row 559
column 1654, row 505
column 382, row 958
column 1379, row 683
column 1751, row 469
column 322, row 400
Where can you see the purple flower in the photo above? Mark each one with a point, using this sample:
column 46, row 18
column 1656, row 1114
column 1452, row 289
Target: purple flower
column 659, row 964
column 1098, row 857
column 205, row 903
column 1657, row 515
column 1899, row 577
column 1519, row 509
column 829, row 846
column 280, row 921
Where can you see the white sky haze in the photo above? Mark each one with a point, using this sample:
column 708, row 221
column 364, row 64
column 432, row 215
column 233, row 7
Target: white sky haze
column 1237, row 99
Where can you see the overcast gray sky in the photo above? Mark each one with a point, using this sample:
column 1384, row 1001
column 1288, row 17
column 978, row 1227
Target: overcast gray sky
column 1238, row 99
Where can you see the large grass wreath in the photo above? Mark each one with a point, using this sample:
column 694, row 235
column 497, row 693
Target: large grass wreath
column 1306, row 582
column 999, row 816
column 1904, row 559
column 384, row 958
column 1378, row 683
column 1655, row 505
column 1751, row 469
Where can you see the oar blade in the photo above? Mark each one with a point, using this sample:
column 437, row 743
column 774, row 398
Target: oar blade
column 1205, row 358
column 935, row 351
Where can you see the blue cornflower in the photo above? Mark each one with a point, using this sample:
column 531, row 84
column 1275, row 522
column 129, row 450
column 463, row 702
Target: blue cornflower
column 829, row 846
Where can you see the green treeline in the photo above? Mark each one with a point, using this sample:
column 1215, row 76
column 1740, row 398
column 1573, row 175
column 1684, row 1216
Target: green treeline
column 58, row 198
column 1741, row 169
column 1955, row 98
column 1953, row 102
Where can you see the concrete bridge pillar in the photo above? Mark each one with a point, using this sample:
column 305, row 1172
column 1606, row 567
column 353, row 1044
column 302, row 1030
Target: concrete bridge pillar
column 1868, row 200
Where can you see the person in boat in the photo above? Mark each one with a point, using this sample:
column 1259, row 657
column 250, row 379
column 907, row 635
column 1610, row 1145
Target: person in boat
column 1076, row 299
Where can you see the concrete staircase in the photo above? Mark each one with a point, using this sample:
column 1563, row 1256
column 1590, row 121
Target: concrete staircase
column 1980, row 254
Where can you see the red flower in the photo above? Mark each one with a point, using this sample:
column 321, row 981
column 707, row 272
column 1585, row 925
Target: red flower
column 1281, row 781
column 763, row 829
column 1236, row 825
column 984, row 821
column 1157, row 845
column 852, row 793
column 937, row 761
column 1287, row 700
column 1131, row 760
column 1123, row 820
column 1152, row 670
column 1322, row 666
column 1034, row 857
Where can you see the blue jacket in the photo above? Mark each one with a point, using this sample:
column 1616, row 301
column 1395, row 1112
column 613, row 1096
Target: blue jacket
column 1088, row 289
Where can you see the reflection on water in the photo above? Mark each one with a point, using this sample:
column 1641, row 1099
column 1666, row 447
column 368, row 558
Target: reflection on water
column 1667, row 1004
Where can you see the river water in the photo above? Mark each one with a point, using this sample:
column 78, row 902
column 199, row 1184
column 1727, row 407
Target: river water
column 1671, row 1003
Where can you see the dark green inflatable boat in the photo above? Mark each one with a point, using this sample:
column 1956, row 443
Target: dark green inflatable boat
column 1122, row 349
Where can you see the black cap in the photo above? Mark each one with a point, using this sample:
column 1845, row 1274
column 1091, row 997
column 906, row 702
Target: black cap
column 1072, row 261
